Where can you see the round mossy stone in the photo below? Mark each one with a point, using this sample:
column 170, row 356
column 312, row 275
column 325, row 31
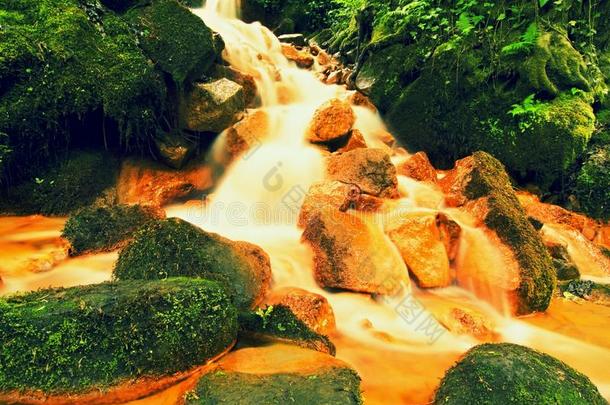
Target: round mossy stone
column 511, row 374
column 175, row 248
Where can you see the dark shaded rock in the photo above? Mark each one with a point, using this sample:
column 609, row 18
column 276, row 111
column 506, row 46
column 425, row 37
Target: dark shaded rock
column 212, row 107
column 97, row 340
column 176, row 40
column 175, row 248
column 564, row 265
column 510, row 374
column 175, row 148
column 97, row 229
column 293, row 39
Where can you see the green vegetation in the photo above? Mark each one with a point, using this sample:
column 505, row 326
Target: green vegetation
column 173, row 247
column 510, row 374
column 76, row 73
column 83, row 338
column 527, row 75
column 333, row 385
column 505, row 215
column 592, row 186
column 70, row 184
column 279, row 322
column 95, row 229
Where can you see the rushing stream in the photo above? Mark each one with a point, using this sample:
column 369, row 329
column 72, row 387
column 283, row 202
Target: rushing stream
column 258, row 200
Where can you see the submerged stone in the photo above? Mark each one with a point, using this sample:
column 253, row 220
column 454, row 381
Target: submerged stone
column 175, row 248
column 278, row 374
column 505, row 373
column 92, row 341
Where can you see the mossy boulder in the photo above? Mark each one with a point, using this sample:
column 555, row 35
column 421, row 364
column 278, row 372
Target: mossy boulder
column 277, row 374
column 96, row 229
column 84, row 340
column 176, row 40
column 71, row 73
column 511, row 374
column 592, row 185
column 173, row 247
column 481, row 180
column 279, row 323
column 63, row 187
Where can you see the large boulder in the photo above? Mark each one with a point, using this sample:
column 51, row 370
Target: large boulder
column 97, row 229
column 480, row 185
column 510, row 374
column 277, row 374
column 175, row 248
column 246, row 134
column 419, row 240
column 127, row 338
column 175, row 39
column 353, row 255
column 331, row 121
column 369, row 169
column 212, row 107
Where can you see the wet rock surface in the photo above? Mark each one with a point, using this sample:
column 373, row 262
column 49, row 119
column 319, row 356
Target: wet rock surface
column 302, row 58
column 369, row 169
column 331, row 121
column 418, row 167
column 247, row 134
column 312, row 309
column 353, row 255
column 148, row 183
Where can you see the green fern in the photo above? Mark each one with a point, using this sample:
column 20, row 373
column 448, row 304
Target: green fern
column 526, row 43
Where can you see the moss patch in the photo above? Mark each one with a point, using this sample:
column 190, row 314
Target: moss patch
column 63, row 187
column 78, row 339
column 338, row 386
column 175, row 39
column 279, row 322
column 173, row 247
column 592, row 185
column 507, row 218
column 511, row 374
column 95, row 229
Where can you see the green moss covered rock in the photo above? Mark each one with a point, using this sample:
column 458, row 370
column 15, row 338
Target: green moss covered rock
column 175, row 39
column 279, row 323
column 510, row 374
column 173, row 247
column 80, row 339
column 277, row 375
column 63, row 187
column 481, row 179
column 95, row 229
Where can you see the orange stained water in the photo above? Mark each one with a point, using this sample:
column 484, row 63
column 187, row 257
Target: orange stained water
column 395, row 343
